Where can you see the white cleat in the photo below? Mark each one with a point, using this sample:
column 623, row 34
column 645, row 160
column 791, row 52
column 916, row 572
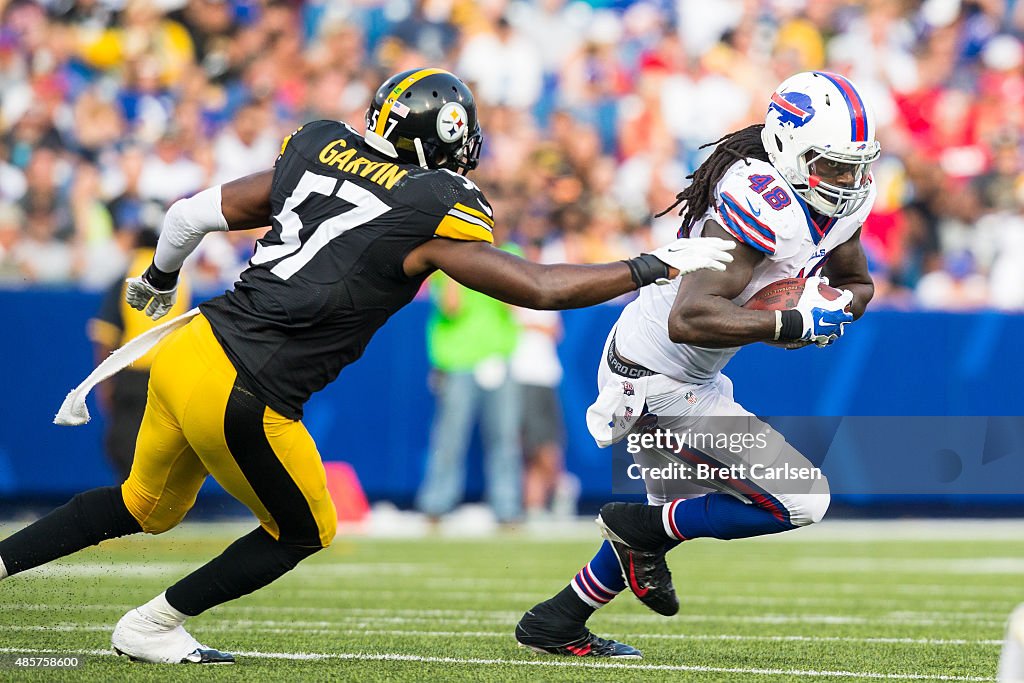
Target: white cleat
column 144, row 640
column 1011, row 660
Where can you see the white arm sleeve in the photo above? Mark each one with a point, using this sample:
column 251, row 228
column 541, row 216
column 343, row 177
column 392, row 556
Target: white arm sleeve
column 184, row 226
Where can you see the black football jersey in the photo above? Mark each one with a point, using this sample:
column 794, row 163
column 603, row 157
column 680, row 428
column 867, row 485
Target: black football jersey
column 329, row 272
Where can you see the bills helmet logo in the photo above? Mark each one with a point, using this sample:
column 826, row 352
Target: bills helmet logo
column 627, row 389
column 793, row 108
column 451, row 122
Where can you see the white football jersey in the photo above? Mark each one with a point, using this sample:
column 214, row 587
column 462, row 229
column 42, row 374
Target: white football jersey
column 759, row 208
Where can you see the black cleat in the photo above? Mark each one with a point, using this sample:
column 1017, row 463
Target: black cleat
column 640, row 550
column 542, row 630
column 206, row 656
column 197, row 656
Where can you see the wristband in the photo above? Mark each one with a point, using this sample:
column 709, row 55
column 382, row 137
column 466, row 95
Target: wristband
column 789, row 325
column 160, row 280
column 647, row 269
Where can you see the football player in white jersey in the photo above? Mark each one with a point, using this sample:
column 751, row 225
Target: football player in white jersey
column 793, row 194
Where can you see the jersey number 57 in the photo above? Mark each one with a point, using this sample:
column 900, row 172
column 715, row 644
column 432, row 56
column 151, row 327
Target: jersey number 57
column 366, row 207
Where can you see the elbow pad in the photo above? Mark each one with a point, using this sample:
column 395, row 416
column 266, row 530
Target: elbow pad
column 185, row 224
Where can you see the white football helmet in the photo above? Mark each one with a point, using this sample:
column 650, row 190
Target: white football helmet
column 820, row 134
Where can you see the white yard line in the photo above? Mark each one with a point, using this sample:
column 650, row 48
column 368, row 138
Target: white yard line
column 178, row 567
column 966, row 608
column 798, row 585
column 889, row 617
column 960, row 607
column 331, row 628
column 902, row 531
column 570, row 664
column 916, row 566
column 402, row 616
column 440, row 576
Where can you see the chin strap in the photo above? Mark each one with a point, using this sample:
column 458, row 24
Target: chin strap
column 384, row 146
column 380, row 143
column 419, row 152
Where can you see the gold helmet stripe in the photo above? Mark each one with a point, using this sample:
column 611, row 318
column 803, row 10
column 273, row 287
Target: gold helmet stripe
column 389, row 101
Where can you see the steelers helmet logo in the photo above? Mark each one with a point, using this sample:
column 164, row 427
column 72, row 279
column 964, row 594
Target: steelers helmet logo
column 452, row 122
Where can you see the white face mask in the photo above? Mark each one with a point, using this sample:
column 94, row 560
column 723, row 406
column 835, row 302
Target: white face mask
column 838, row 184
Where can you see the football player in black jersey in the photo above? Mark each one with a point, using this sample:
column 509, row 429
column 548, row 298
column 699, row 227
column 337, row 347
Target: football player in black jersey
column 358, row 222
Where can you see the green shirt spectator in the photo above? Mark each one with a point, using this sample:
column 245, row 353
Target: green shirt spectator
column 470, row 340
column 467, row 327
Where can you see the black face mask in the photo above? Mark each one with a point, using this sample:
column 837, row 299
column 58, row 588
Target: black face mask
column 468, row 156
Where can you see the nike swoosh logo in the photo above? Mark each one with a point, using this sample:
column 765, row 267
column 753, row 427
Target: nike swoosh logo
column 756, row 212
column 486, row 208
column 637, row 590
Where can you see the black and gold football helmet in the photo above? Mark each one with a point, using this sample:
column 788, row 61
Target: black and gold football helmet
column 425, row 117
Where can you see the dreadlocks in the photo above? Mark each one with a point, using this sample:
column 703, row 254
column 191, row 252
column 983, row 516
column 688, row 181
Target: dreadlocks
column 698, row 196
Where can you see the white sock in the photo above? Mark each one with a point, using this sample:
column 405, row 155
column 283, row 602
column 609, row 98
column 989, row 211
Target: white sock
column 3, row 569
column 161, row 612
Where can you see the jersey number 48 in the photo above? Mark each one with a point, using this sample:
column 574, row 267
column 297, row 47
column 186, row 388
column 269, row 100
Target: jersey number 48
column 777, row 198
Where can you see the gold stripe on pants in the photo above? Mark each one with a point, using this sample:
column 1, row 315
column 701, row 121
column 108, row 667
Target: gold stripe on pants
column 199, row 420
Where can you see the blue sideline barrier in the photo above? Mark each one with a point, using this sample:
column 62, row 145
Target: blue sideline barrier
column 377, row 415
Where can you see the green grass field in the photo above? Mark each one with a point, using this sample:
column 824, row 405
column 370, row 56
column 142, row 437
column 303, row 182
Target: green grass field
column 837, row 602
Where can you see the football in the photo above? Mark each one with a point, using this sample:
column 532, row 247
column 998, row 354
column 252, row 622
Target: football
column 784, row 294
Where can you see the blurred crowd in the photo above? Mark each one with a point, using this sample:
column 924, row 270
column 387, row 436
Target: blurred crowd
column 593, row 115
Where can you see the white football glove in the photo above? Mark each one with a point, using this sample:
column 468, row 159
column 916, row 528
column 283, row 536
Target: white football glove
column 140, row 292
column 695, row 253
column 823, row 320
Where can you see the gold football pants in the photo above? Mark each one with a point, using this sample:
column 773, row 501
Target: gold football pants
column 200, row 421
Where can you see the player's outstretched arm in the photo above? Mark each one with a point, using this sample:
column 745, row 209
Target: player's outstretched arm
column 703, row 313
column 847, row 268
column 520, row 282
column 237, row 205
